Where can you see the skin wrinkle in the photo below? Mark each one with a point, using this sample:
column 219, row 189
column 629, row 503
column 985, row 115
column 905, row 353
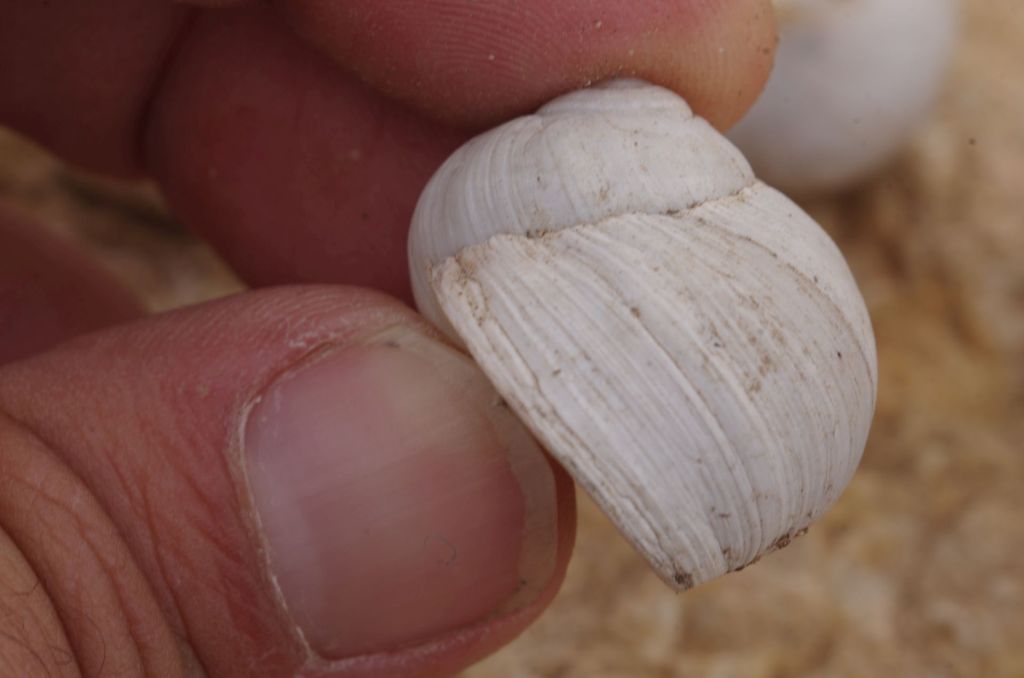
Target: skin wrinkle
column 210, row 505
column 157, row 652
column 184, row 630
column 26, row 605
column 38, row 495
column 110, row 573
column 73, row 516
column 20, row 642
column 237, row 594
column 110, row 569
column 139, row 506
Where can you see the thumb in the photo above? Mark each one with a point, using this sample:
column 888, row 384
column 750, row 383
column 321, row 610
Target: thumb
column 301, row 480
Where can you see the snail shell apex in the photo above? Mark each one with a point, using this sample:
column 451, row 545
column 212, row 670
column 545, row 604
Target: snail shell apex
column 685, row 340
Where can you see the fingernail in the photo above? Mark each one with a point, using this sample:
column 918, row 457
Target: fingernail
column 398, row 497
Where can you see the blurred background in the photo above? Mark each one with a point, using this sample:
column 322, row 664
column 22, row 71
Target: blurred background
column 919, row 569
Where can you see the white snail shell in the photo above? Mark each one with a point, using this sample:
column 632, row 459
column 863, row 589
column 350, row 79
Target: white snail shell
column 685, row 340
column 851, row 81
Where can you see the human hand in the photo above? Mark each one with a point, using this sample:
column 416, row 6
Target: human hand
column 303, row 479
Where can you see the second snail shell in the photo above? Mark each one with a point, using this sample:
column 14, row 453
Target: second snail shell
column 852, row 81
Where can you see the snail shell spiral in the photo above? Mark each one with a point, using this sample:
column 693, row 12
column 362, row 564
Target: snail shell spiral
column 686, row 341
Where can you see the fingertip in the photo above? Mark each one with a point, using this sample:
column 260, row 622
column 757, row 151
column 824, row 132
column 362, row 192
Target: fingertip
column 476, row 64
column 723, row 65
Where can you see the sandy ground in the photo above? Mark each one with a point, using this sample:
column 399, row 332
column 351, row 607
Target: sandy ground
column 919, row 570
